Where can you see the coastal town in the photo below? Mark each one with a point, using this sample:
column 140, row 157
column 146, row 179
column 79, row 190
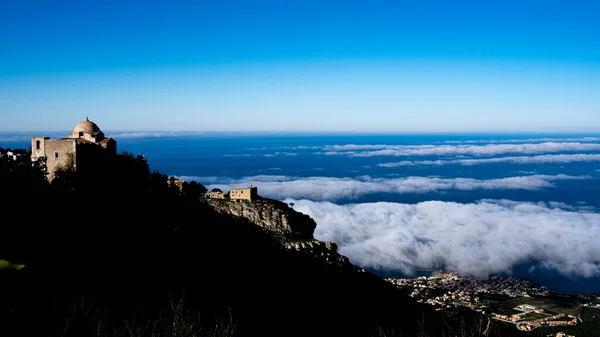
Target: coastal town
column 505, row 299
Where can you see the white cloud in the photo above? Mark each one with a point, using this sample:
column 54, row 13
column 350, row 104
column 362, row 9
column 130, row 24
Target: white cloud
column 301, row 147
column 528, row 140
column 353, row 150
column 476, row 239
column 285, row 153
column 289, row 154
column 541, row 159
column 332, row 188
column 238, row 155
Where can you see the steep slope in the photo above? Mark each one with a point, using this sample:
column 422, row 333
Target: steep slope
column 293, row 229
column 113, row 252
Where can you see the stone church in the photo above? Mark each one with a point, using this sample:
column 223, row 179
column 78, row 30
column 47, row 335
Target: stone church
column 73, row 152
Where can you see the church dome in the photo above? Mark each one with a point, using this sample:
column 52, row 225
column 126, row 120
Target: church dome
column 87, row 127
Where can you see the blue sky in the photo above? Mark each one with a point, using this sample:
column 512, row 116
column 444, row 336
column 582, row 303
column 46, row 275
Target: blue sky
column 345, row 66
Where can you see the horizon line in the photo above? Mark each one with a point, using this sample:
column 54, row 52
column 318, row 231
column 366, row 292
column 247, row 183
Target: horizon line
column 366, row 132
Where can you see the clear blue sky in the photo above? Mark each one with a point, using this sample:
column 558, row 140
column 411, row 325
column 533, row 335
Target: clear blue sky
column 372, row 66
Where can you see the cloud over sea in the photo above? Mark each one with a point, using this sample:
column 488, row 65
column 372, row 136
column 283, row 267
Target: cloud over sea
column 355, row 150
column 333, row 188
column 479, row 239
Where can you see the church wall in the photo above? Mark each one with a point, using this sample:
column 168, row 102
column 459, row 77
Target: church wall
column 57, row 153
column 85, row 149
column 90, row 156
column 38, row 147
column 110, row 145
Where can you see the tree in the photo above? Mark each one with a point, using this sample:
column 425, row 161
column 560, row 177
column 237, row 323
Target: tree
column 69, row 165
column 194, row 188
column 291, row 204
column 40, row 168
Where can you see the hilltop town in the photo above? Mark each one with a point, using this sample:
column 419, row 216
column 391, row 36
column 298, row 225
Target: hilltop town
column 504, row 299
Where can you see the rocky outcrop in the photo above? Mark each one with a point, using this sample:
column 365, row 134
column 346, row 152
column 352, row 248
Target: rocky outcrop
column 323, row 250
column 295, row 229
column 272, row 215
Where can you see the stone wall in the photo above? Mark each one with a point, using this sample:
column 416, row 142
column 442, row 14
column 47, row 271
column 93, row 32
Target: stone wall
column 57, row 154
column 248, row 193
column 109, row 145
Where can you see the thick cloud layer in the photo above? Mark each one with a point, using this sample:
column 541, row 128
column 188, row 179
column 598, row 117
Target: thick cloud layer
column 475, row 239
column 447, row 150
column 331, row 189
column 541, row 159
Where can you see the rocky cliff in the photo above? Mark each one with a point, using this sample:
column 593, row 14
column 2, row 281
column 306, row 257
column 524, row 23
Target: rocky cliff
column 295, row 229
column 272, row 215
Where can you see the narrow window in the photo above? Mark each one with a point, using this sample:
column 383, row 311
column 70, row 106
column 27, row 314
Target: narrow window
column 37, row 144
column 81, row 134
column 55, row 155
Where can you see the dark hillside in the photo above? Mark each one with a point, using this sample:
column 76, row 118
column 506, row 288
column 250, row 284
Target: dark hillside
column 120, row 244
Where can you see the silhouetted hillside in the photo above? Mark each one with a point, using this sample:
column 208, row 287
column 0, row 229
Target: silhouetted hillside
column 108, row 251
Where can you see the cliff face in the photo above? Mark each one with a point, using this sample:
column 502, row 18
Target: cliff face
column 294, row 228
column 272, row 215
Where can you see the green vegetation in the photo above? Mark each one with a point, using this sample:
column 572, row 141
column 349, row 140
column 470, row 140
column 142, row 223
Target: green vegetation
column 5, row 265
column 590, row 316
column 591, row 322
column 533, row 316
column 506, row 305
column 549, row 306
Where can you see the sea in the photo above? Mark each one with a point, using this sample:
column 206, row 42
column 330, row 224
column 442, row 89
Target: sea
column 523, row 205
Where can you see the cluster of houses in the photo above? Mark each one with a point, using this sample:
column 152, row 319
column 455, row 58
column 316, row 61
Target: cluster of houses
column 548, row 321
column 249, row 193
column 508, row 318
column 14, row 156
column 561, row 334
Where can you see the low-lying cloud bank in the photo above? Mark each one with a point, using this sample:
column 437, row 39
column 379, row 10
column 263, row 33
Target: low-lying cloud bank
column 354, row 150
column 280, row 154
column 331, row 188
column 527, row 140
column 476, row 239
column 541, row 159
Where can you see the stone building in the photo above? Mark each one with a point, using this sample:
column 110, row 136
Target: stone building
column 85, row 142
column 248, row 193
column 216, row 193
